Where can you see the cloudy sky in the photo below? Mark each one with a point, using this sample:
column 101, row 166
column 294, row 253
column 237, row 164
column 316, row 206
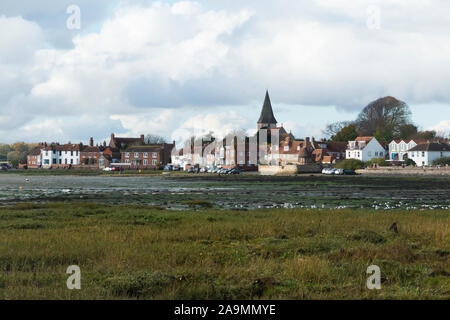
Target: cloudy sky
column 178, row 67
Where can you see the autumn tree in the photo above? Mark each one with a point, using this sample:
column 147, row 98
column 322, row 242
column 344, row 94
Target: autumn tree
column 347, row 133
column 387, row 115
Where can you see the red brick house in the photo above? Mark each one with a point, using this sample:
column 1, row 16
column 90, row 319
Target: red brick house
column 34, row 159
column 147, row 156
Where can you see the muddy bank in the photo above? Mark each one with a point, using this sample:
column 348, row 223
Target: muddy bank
column 242, row 192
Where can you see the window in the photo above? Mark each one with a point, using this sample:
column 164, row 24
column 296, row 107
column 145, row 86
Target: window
column 84, row 154
column 65, row 161
column 286, row 148
column 381, row 154
column 423, row 153
column 136, row 154
column 90, row 154
column 71, row 161
column 145, row 162
column 145, row 154
column 369, row 153
column 95, row 154
column 154, row 155
column 154, row 162
column 376, row 153
column 127, row 155
column 127, row 161
column 71, row 153
column 54, row 161
column 60, row 161
column 46, row 153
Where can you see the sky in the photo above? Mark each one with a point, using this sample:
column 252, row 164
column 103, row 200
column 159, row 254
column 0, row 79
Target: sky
column 177, row 68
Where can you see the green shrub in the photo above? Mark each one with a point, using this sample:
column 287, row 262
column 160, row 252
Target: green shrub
column 442, row 162
column 410, row 162
column 378, row 161
column 350, row 164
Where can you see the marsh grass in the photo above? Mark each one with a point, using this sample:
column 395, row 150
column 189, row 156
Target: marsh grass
column 140, row 252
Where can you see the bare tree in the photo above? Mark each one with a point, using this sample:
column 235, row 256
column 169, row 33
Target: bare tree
column 154, row 139
column 333, row 128
column 385, row 114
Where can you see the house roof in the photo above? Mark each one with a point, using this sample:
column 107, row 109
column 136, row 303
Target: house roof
column 267, row 112
column 93, row 149
column 35, row 151
column 336, row 146
column 431, row 146
column 366, row 139
column 63, row 147
column 144, row 149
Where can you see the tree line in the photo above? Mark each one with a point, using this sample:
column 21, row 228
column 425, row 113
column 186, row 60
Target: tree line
column 386, row 119
column 15, row 153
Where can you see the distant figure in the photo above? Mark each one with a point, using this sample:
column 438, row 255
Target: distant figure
column 394, row 227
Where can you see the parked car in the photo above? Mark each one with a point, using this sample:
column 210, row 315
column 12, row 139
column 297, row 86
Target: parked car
column 193, row 170
column 168, row 167
column 223, row 171
column 203, row 170
column 338, row 172
column 328, row 171
column 4, row 166
column 108, row 169
column 349, row 172
column 234, row 171
column 176, row 169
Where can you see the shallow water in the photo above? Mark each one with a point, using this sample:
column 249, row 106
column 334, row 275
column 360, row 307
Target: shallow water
column 170, row 193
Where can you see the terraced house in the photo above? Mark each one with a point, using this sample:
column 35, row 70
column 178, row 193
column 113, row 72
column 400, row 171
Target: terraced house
column 57, row 155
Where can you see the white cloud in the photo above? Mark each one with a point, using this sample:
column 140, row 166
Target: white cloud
column 443, row 127
column 162, row 67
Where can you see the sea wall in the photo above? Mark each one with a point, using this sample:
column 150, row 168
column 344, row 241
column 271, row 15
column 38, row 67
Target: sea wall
column 289, row 169
column 408, row 171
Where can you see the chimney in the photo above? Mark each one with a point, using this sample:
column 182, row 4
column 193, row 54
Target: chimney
column 142, row 138
column 91, row 142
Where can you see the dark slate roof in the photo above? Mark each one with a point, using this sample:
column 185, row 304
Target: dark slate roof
column 35, row 152
column 154, row 148
column 431, row 146
column 267, row 112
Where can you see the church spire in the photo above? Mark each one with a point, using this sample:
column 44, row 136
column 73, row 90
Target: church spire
column 267, row 119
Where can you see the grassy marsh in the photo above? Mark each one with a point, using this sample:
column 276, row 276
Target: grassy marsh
column 143, row 252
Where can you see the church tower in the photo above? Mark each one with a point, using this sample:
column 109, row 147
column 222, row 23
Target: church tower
column 267, row 119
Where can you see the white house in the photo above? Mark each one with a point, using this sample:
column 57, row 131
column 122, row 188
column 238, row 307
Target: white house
column 60, row 155
column 365, row 149
column 424, row 154
column 398, row 149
